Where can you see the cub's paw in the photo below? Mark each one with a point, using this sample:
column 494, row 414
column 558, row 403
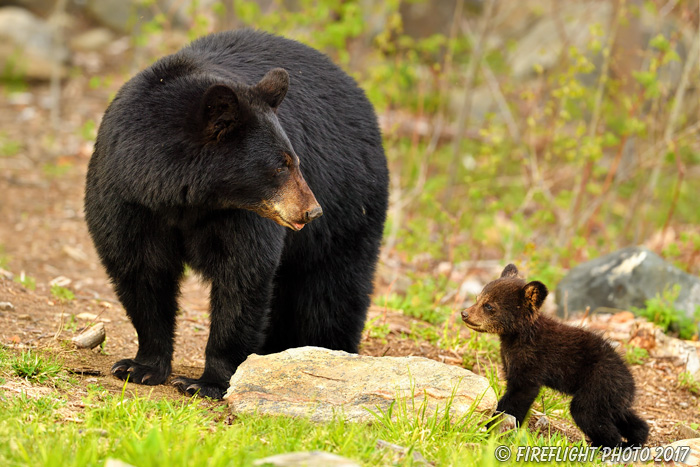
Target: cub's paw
column 140, row 373
column 199, row 387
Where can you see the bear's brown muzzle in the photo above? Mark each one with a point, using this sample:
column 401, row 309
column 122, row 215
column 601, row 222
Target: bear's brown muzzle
column 294, row 205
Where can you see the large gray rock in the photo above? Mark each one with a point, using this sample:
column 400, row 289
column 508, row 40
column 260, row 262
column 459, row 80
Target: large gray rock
column 320, row 384
column 117, row 14
column 625, row 279
column 28, row 45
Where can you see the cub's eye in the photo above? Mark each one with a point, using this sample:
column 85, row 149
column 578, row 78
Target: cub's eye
column 488, row 307
column 281, row 170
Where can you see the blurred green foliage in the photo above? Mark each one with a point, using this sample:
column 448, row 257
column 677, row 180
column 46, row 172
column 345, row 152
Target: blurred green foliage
column 575, row 162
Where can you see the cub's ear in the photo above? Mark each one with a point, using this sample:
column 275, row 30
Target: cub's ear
column 510, row 271
column 535, row 293
column 273, row 87
column 221, row 111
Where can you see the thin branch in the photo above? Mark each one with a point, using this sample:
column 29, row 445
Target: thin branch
column 465, row 109
column 675, row 110
column 568, row 224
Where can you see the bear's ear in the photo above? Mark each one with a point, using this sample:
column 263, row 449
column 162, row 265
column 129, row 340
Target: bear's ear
column 535, row 293
column 273, row 87
column 220, row 111
column 510, row 271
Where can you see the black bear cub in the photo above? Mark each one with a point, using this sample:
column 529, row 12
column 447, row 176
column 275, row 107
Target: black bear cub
column 538, row 351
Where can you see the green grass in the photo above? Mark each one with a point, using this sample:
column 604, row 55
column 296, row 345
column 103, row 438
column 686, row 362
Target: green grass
column 145, row 431
column 30, row 365
column 4, row 258
column 636, row 355
column 8, row 146
column 62, row 294
column 687, row 381
column 661, row 310
column 27, row 281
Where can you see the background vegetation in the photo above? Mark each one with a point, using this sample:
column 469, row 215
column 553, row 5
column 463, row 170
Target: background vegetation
column 593, row 150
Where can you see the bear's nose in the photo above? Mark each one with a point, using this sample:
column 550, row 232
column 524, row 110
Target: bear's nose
column 315, row 213
column 465, row 314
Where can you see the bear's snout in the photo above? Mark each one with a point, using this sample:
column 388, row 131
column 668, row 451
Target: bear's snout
column 314, row 213
column 465, row 314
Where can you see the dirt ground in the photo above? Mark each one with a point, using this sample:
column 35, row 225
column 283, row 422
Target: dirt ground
column 43, row 233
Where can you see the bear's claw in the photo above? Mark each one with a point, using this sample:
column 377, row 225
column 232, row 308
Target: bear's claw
column 140, row 373
column 196, row 387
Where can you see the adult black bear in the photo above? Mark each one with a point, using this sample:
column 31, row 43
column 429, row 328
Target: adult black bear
column 539, row 351
column 195, row 158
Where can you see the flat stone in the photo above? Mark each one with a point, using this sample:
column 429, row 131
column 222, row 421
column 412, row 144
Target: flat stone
column 321, row 384
column 307, row 459
column 6, row 306
column 693, row 457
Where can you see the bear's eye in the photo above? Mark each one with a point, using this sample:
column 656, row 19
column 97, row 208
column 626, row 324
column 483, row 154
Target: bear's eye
column 488, row 307
column 281, row 170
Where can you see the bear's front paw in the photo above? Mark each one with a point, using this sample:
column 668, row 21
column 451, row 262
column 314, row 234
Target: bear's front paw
column 140, row 373
column 199, row 387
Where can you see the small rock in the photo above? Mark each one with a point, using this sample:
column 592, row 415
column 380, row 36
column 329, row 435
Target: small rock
column 652, row 338
column 86, row 316
column 6, row 306
column 687, row 432
column 443, row 268
column 320, row 383
column 6, row 274
column 622, row 317
column 93, row 40
column 61, row 281
column 307, row 459
column 505, row 422
column 693, row 457
column 471, row 288
column 542, row 423
column 116, row 463
column 418, row 458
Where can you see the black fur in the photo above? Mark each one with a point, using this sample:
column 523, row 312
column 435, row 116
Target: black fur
column 538, row 351
column 184, row 155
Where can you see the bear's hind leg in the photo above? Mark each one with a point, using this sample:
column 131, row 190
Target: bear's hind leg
column 596, row 424
column 633, row 428
column 318, row 308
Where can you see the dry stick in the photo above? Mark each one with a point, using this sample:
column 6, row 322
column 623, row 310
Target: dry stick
column 399, row 203
column 514, row 131
column 668, row 139
column 606, row 186
column 55, row 85
column 465, row 109
column 680, row 167
column 569, row 226
column 496, row 91
column 675, row 110
column 596, row 204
